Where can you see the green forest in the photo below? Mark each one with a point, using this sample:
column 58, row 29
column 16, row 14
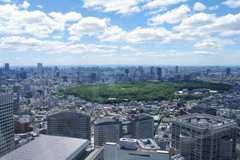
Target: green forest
column 139, row 91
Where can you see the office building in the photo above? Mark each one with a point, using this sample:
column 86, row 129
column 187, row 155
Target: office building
column 69, row 124
column 50, row 147
column 6, row 67
column 142, row 126
column 176, row 70
column 24, row 75
column 65, row 79
column 126, row 72
column 228, row 71
column 6, row 121
column 93, row 77
column 106, row 130
column 39, row 68
column 152, row 70
column 27, row 87
column 203, row 137
column 133, row 149
column 1, row 71
column 159, row 73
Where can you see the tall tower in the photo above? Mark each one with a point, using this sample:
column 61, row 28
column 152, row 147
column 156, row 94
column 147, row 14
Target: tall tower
column 69, row 124
column 176, row 70
column 6, row 121
column 152, row 70
column 106, row 130
column 159, row 73
column 228, row 71
column 6, row 67
column 39, row 68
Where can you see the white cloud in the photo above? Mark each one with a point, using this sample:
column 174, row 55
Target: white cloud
column 118, row 6
column 128, row 48
column 74, row 38
column 145, row 54
column 207, row 24
column 157, row 3
column 39, row 6
column 213, row 43
column 173, row 16
column 58, row 37
column 89, row 25
column 232, row 3
column 22, row 44
column 213, row 7
column 156, row 11
column 25, row 5
column 199, row 6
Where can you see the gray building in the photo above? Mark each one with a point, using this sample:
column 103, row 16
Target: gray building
column 106, row 130
column 143, row 126
column 203, row 137
column 6, row 123
column 69, row 124
column 6, row 67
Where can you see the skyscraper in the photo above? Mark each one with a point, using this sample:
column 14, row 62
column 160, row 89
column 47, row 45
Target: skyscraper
column 6, row 67
column 106, row 130
column 39, row 68
column 143, row 126
column 65, row 79
column 69, row 124
column 159, row 73
column 204, row 137
column 228, row 71
column 152, row 70
column 176, row 70
column 6, row 121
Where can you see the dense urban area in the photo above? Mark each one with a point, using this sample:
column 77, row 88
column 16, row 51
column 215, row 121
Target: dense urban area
column 99, row 112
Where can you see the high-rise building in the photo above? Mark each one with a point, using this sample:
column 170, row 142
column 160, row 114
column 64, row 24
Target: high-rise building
column 176, row 70
column 238, row 71
column 228, row 71
column 1, row 71
column 69, row 124
column 93, row 76
column 152, row 70
column 106, row 130
column 203, row 137
column 133, row 149
column 39, row 68
column 159, row 73
column 143, row 126
column 24, row 75
column 27, row 87
column 126, row 72
column 6, row 121
column 6, row 67
column 65, row 79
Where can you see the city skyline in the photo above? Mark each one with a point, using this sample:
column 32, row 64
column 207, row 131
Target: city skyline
column 131, row 32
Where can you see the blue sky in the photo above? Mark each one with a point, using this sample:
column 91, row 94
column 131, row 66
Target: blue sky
column 131, row 32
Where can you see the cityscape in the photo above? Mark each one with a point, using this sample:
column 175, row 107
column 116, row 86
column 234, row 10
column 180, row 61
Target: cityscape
column 35, row 117
column 119, row 80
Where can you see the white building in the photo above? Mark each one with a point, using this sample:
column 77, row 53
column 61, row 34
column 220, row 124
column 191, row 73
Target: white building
column 6, row 121
column 133, row 149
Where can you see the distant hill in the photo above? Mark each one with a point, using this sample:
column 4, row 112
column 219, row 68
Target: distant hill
column 139, row 91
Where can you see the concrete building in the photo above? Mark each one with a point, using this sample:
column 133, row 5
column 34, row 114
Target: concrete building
column 228, row 71
column 143, row 126
column 69, row 124
column 106, row 130
column 176, row 70
column 65, row 79
column 50, row 147
column 152, row 70
column 6, row 124
column 39, row 68
column 159, row 73
column 21, row 125
column 203, row 137
column 27, row 87
column 6, row 67
column 133, row 149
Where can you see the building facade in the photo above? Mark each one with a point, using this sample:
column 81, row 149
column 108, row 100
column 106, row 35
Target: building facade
column 69, row 124
column 106, row 130
column 6, row 124
column 203, row 137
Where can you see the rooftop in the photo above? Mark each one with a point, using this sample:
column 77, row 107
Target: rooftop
column 204, row 121
column 48, row 147
column 105, row 121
